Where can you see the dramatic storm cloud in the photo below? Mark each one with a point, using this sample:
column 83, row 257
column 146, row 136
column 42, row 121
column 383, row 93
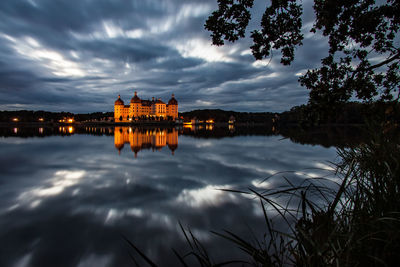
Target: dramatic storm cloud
column 79, row 55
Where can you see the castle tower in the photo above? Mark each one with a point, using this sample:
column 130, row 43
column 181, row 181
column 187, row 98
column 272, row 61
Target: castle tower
column 135, row 108
column 118, row 109
column 172, row 108
column 172, row 140
column 118, row 139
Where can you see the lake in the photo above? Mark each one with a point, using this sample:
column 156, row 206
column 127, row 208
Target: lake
column 70, row 195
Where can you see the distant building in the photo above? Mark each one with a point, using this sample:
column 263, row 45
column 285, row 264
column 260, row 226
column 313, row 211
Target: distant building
column 194, row 121
column 145, row 109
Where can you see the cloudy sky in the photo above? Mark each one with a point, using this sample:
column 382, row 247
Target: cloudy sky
column 78, row 55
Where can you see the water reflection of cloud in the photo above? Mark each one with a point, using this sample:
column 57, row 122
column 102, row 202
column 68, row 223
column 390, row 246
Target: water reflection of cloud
column 24, row 261
column 206, row 196
column 324, row 166
column 261, row 183
column 114, row 214
column 245, row 165
column 55, row 186
column 204, row 144
column 95, row 260
column 86, row 188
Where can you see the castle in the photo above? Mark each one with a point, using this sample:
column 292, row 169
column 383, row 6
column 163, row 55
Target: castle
column 145, row 109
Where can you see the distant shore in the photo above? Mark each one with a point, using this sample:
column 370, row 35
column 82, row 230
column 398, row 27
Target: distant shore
column 164, row 124
column 86, row 123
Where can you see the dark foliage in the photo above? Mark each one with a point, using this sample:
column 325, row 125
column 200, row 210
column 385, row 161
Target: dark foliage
column 219, row 115
column 364, row 52
column 344, row 113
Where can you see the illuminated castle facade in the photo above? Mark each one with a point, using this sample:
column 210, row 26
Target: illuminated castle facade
column 144, row 109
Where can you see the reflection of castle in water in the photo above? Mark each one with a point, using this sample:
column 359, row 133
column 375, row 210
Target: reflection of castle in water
column 145, row 138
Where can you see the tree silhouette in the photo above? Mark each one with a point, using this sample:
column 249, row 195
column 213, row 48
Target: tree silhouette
column 364, row 52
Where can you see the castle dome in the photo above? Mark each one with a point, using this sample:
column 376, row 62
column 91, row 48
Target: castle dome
column 136, row 99
column 119, row 101
column 172, row 101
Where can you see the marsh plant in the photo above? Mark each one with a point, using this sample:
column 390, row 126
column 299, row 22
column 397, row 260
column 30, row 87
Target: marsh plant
column 351, row 220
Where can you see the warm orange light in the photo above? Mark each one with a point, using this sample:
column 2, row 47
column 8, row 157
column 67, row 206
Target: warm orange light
column 70, row 129
column 138, row 140
column 41, row 119
column 70, row 120
column 210, row 121
column 15, row 119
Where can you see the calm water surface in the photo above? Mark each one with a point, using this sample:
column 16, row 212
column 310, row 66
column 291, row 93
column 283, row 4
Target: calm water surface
column 67, row 200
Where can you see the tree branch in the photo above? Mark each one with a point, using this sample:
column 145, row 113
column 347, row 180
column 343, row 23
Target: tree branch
column 396, row 56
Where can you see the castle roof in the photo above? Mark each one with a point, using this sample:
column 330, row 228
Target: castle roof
column 146, row 103
column 172, row 101
column 119, row 101
column 135, row 99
